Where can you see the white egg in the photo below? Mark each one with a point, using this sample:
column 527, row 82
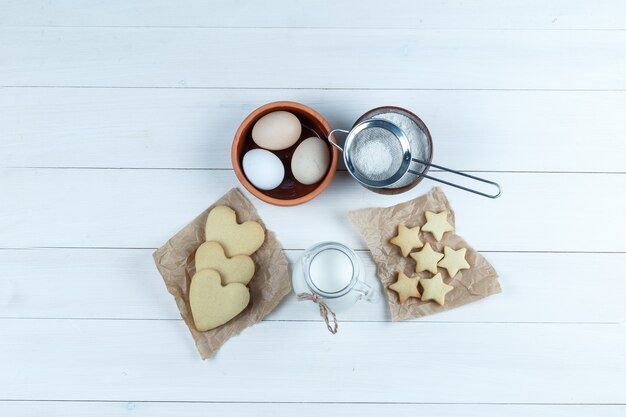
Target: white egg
column 263, row 169
column 277, row 130
column 310, row 161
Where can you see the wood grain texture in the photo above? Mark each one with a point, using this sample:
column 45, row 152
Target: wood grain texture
column 155, row 360
column 492, row 14
column 144, row 97
column 74, row 283
column 323, row 58
column 143, row 208
column 474, row 130
column 165, row 409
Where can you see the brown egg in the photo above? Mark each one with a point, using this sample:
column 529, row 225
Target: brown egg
column 277, row 130
column 310, row 161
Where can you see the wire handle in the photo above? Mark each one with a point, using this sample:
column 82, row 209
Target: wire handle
column 457, row 185
column 332, row 141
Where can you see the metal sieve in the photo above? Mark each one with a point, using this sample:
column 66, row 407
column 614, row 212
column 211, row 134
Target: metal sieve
column 378, row 153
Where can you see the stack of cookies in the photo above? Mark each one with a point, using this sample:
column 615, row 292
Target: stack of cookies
column 218, row 290
column 427, row 259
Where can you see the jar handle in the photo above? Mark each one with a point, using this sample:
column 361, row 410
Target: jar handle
column 330, row 138
column 366, row 291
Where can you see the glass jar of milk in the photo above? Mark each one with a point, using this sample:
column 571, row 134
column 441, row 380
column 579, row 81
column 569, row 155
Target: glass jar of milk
column 334, row 272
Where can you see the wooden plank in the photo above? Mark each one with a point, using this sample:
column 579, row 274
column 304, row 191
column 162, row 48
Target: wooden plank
column 162, row 409
column 156, row 360
column 78, row 283
column 188, row 128
column 492, row 14
column 143, row 208
column 321, row 58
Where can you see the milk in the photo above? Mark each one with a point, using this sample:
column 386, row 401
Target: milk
column 331, row 270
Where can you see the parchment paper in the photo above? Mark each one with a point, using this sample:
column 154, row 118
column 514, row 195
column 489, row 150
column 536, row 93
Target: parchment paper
column 378, row 225
column 271, row 281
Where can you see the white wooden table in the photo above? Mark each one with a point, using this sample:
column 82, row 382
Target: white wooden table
column 115, row 126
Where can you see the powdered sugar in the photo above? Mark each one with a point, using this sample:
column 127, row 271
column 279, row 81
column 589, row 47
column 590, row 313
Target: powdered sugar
column 374, row 156
column 377, row 155
column 417, row 139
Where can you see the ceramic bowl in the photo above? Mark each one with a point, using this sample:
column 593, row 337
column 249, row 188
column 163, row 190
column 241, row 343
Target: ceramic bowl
column 289, row 192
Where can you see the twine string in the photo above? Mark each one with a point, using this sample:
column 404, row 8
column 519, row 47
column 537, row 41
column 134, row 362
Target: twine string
column 325, row 311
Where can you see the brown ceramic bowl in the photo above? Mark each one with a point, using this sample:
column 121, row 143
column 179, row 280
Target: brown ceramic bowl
column 289, row 192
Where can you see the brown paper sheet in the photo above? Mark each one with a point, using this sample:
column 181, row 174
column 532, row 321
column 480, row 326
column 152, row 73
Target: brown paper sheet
column 271, row 281
column 378, row 225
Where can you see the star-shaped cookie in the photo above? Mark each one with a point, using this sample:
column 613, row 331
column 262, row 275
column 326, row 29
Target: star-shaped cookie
column 435, row 289
column 426, row 259
column 454, row 260
column 407, row 239
column 437, row 224
column 405, row 287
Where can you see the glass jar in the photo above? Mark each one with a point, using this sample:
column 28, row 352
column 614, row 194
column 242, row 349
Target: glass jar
column 333, row 272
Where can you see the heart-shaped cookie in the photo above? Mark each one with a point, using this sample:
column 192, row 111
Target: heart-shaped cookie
column 239, row 268
column 213, row 304
column 235, row 238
